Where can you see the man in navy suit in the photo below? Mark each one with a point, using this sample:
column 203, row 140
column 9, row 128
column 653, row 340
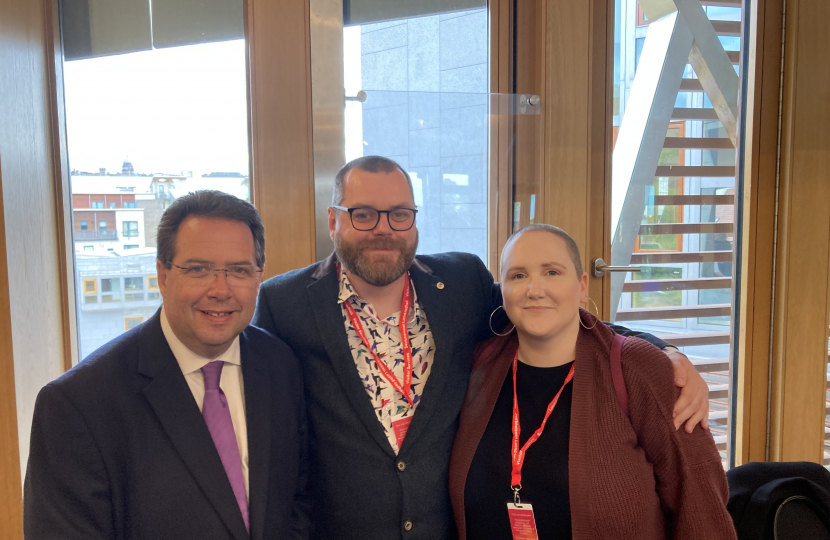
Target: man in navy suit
column 385, row 340
column 191, row 425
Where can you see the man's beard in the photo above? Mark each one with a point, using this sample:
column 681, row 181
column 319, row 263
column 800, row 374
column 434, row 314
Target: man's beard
column 381, row 272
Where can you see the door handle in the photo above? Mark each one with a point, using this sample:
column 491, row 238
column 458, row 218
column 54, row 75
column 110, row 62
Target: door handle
column 600, row 268
column 360, row 96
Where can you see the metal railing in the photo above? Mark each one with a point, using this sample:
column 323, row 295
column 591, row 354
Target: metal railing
column 96, row 235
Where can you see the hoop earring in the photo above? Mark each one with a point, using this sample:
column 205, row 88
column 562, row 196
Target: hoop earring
column 589, row 311
column 491, row 323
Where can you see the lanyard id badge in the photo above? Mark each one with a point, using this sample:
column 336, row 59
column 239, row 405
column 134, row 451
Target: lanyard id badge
column 406, row 346
column 400, row 425
column 522, row 522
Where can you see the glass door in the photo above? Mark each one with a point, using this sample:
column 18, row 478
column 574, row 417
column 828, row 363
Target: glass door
column 675, row 189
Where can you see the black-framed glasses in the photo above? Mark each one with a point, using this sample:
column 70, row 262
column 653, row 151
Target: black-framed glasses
column 241, row 274
column 365, row 218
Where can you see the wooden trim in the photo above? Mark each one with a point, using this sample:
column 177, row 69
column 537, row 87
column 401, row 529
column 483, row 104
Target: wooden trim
column 280, row 126
column 800, row 322
column 575, row 137
column 758, row 235
column 500, row 203
column 11, row 489
column 63, row 195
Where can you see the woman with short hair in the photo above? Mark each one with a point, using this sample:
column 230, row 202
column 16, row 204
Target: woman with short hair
column 563, row 437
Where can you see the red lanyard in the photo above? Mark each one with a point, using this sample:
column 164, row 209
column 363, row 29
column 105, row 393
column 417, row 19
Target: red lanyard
column 405, row 345
column 519, row 454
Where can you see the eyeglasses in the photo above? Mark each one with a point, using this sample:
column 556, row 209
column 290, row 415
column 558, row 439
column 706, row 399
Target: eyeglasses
column 236, row 274
column 365, row 218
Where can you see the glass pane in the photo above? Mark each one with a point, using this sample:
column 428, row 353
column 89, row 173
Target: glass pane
column 426, row 105
column 426, row 108
column 144, row 128
column 673, row 202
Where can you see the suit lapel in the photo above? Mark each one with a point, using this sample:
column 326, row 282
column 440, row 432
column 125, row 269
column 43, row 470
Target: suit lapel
column 435, row 303
column 257, row 382
column 329, row 317
column 172, row 401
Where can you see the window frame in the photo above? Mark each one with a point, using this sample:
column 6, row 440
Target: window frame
column 127, row 328
column 94, row 286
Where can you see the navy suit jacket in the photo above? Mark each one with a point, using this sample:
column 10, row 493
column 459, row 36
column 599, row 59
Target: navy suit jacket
column 361, row 490
column 119, row 448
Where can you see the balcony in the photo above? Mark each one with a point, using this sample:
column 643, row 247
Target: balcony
column 95, row 235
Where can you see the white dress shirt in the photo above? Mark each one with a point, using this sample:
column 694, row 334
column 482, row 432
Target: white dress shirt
column 230, row 383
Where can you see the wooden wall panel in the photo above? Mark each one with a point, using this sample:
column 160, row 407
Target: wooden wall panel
column 35, row 292
column 803, row 257
column 757, row 241
column 280, row 126
column 11, row 508
column 575, row 132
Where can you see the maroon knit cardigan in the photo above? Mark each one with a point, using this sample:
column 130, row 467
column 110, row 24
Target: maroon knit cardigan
column 633, row 478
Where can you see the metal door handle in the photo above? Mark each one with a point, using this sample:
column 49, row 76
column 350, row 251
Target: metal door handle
column 600, row 268
column 360, row 96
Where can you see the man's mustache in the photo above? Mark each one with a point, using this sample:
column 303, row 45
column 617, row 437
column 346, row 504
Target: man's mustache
column 382, row 243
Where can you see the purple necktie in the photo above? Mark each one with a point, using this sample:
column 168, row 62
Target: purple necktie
column 217, row 416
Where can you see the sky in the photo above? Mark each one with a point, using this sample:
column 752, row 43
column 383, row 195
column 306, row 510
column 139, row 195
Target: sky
column 167, row 110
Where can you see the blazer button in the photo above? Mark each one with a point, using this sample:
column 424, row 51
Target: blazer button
column 401, row 466
column 407, row 526
column 440, row 285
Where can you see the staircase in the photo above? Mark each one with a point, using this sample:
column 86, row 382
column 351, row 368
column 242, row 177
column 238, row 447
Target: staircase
column 702, row 202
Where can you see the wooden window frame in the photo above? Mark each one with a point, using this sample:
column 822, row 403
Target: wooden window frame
column 150, row 287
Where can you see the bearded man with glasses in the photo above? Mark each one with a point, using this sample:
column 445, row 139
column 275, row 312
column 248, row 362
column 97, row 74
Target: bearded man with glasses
column 191, row 425
column 385, row 340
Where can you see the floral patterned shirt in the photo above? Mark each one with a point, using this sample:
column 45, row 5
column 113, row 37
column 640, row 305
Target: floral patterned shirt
column 385, row 337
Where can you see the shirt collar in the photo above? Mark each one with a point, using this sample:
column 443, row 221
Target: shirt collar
column 188, row 360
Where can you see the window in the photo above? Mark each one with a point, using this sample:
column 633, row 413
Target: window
column 89, row 248
column 684, row 208
column 84, row 225
column 111, row 290
column 133, row 289
column 129, row 229
column 90, row 286
column 132, row 322
column 112, row 205
column 110, row 96
column 133, row 284
column 426, row 82
column 152, row 282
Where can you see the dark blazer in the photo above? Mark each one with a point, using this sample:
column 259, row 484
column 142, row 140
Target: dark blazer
column 119, row 449
column 361, row 489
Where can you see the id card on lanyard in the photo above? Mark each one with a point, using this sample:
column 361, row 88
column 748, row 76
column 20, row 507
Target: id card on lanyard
column 522, row 522
column 400, row 424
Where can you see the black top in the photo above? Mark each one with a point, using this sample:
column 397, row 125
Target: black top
column 545, row 469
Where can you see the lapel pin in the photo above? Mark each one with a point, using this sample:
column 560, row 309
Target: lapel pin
column 439, row 285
